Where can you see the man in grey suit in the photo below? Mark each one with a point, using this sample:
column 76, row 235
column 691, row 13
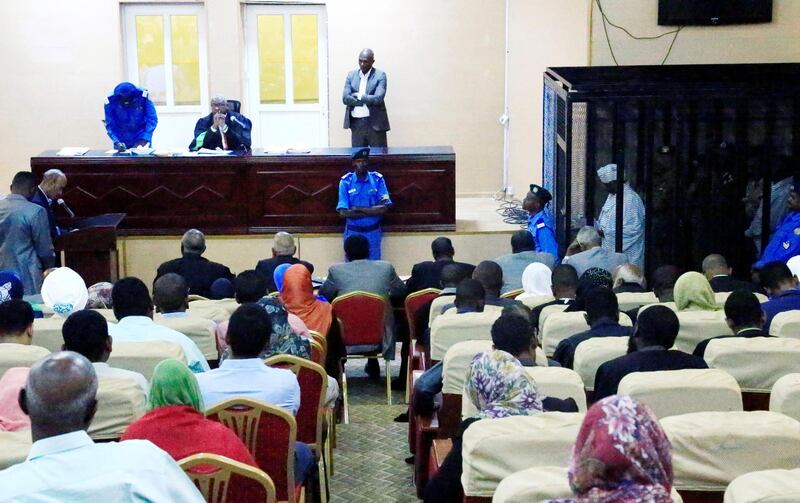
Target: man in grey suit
column 25, row 243
column 374, row 276
column 364, row 91
column 586, row 253
column 522, row 255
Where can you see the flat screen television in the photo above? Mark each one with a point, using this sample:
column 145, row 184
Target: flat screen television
column 713, row 12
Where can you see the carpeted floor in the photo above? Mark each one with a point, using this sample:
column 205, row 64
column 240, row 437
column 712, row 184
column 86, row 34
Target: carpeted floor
column 368, row 461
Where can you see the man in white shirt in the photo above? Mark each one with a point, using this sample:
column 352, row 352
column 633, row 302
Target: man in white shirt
column 133, row 307
column 364, row 92
column 65, row 465
column 86, row 332
column 16, row 333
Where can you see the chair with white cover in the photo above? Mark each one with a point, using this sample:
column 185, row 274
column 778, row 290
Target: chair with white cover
column 47, row 333
column 697, row 326
column 772, row 486
column 546, row 312
column 674, row 392
column 437, row 305
column 201, row 331
column 721, row 297
column 215, row 310
column 119, row 403
column 592, row 353
column 785, row 396
column 14, row 447
column 495, row 448
column 451, row 328
column 142, row 357
column 560, row 326
column 632, row 300
column 786, row 324
column 108, row 314
column 19, row 355
column 542, row 483
column 710, row 449
column 536, row 300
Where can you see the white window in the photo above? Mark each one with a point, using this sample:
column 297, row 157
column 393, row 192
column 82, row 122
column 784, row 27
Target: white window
column 165, row 53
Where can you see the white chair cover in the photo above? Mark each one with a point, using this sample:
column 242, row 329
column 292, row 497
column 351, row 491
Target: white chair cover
column 119, row 403
column 536, row 300
column 14, row 447
column 721, row 297
column 457, row 361
column 785, row 396
column 756, row 362
column 710, row 449
column 19, row 355
column 674, row 392
column 47, row 333
column 766, row 486
column 436, row 307
column 697, row 326
column 495, row 448
column 592, row 353
column 546, row 312
column 142, row 357
column 786, row 324
column 215, row 310
column 108, row 314
column 541, row 483
column 632, row 300
column 451, row 328
column 559, row 326
column 199, row 330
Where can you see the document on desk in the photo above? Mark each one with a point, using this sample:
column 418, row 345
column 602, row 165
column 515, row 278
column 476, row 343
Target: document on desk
column 72, row 151
column 208, row 151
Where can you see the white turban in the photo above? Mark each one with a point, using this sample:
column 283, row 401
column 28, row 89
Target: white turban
column 607, row 173
column 64, row 291
column 794, row 265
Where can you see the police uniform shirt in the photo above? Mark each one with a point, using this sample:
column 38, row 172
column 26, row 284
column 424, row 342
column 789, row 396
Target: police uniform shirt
column 355, row 193
column 541, row 226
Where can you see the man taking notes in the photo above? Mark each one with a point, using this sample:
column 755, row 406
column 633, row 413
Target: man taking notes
column 364, row 92
column 130, row 117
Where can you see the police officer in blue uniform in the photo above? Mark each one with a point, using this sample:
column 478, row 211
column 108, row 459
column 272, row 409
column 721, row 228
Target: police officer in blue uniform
column 540, row 222
column 785, row 242
column 363, row 199
column 130, row 117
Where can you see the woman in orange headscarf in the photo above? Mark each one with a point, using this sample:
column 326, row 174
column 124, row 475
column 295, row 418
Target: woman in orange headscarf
column 297, row 295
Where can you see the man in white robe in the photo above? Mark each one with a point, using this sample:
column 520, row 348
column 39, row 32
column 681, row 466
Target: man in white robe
column 632, row 217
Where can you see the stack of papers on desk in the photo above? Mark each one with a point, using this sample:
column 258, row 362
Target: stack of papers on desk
column 208, row 151
column 72, row 151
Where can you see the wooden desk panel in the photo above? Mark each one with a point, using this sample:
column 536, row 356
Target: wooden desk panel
column 253, row 193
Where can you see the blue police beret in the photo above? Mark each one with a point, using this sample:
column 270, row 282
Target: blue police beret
column 541, row 193
column 362, row 153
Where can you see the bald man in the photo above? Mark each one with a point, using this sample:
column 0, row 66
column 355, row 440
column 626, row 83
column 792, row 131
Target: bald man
column 198, row 271
column 48, row 193
column 364, row 92
column 718, row 273
column 64, row 464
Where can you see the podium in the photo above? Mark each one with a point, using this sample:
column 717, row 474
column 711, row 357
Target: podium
column 90, row 247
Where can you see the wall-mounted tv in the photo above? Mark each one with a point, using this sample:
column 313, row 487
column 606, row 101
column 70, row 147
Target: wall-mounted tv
column 713, row 12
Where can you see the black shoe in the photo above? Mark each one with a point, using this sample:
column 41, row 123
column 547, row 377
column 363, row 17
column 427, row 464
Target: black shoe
column 402, row 418
column 409, row 460
column 399, row 385
column 373, row 369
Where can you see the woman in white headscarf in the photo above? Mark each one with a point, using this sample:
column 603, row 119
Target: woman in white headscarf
column 64, row 291
column 536, row 281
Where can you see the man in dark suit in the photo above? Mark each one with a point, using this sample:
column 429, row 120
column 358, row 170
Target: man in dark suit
column 198, row 271
column 364, row 92
column 648, row 351
column 283, row 250
column 743, row 314
column 781, row 286
column 718, row 273
column 222, row 128
column 47, row 194
column 428, row 274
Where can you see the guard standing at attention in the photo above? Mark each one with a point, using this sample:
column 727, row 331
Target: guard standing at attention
column 130, row 117
column 363, row 199
column 540, row 222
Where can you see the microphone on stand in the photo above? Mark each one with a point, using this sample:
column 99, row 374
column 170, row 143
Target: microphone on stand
column 66, row 208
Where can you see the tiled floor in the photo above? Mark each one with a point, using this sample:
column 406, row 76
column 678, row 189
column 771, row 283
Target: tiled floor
column 369, row 458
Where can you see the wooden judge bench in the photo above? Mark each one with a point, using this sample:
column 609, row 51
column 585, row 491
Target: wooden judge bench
column 248, row 193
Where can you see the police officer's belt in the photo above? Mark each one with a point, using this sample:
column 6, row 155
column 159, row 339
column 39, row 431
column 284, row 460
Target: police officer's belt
column 363, row 228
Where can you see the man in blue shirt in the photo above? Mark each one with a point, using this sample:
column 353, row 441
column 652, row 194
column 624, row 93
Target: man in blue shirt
column 130, row 117
column 781, row 286
column 540, row 222
column 785, row 242
column 363, row 199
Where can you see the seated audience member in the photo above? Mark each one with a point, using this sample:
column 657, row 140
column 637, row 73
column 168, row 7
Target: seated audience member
column 498, row 385
column 283, row 250
column 133, row 309
column 628, row 278
column 16, row 332
column 428, row 274
column 11, row 416
column 100, row 296
column 743, row 314
column 64, row 291
column 718, row 273
column 171, row 295
column 10, row 286
column 585, row 252
column 613, row 464
column 664, row 279
column 452, row 275
column 298, row 297
column 86, row 333
column 537, row 281
column 602, row 315
column 469, row 299
column 490, row 276
column 64, row 464
column 221, row 288
column 648, row 351
column 564, row 286
column 277, row 276
column 198, row 271
column 594, row 277
column 522, row 254
column 781, row 286
column 175, row 420
column 694, row 293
